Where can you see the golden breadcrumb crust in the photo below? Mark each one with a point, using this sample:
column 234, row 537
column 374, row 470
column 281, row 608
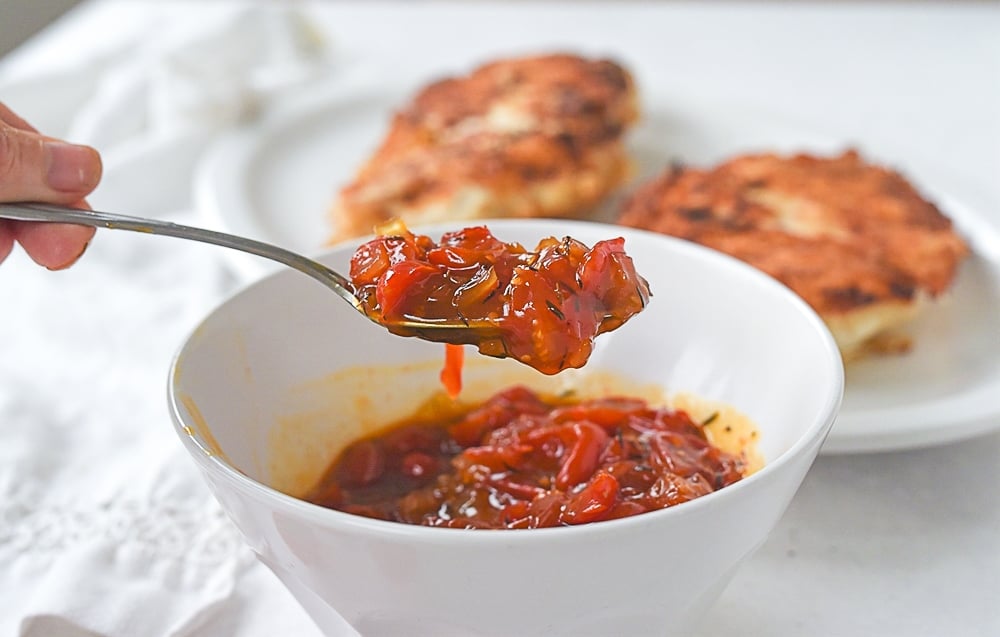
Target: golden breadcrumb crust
column 856, row 241
column 527, row 137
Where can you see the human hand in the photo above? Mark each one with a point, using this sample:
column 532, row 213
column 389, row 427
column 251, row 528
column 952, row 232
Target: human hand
column 34, row 167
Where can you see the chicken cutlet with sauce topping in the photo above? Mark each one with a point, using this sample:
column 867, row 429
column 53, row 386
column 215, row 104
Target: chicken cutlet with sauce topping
column 856, row 241
column 528, row 137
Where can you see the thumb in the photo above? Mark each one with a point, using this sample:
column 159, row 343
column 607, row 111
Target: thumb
column 36, row 168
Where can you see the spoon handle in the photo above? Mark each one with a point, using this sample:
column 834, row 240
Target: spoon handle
column 63, row 214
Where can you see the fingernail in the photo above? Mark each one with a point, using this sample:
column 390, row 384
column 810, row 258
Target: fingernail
column 71, row 261
column 72, row 168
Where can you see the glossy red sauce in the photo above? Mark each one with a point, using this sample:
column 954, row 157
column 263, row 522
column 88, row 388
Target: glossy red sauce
column 520, row 461
column 542, row 307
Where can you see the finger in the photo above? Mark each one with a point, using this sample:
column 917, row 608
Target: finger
column 15, row 120
column 34, row 168
column 53, row 245
column 6, row 239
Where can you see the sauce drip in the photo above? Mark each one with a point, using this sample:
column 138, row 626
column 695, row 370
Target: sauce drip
column 451, row 374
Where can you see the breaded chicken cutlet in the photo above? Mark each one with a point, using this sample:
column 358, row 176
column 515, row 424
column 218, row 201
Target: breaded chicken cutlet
column 527, row 137
column 856, row 241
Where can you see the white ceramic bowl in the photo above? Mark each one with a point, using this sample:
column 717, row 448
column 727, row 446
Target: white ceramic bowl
column 284, row 374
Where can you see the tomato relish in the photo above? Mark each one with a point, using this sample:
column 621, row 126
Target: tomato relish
column 542, row 307
column 520, row 460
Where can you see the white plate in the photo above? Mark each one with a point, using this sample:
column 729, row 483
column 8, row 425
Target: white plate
column 948, row 387
column 275, row 179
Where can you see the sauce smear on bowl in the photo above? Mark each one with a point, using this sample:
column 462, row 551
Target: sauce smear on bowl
column 520, row 460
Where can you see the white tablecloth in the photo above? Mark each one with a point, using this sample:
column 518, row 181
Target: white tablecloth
column 105, row 528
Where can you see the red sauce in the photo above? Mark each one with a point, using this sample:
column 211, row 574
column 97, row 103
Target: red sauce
column 520, row 461
column 542, row 307
column 451, row 374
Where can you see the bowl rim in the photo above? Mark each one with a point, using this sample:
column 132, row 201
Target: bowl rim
column 814, row 435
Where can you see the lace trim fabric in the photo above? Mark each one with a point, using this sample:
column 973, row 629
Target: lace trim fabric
column 199, row 535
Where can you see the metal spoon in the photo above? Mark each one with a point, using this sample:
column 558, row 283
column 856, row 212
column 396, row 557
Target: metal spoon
column 430, row 329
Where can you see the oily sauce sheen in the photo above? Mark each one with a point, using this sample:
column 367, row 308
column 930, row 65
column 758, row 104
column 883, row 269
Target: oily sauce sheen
column 521, row 461
column 542, row 307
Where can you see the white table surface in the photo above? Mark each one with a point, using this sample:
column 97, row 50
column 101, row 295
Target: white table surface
column 904, row 543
